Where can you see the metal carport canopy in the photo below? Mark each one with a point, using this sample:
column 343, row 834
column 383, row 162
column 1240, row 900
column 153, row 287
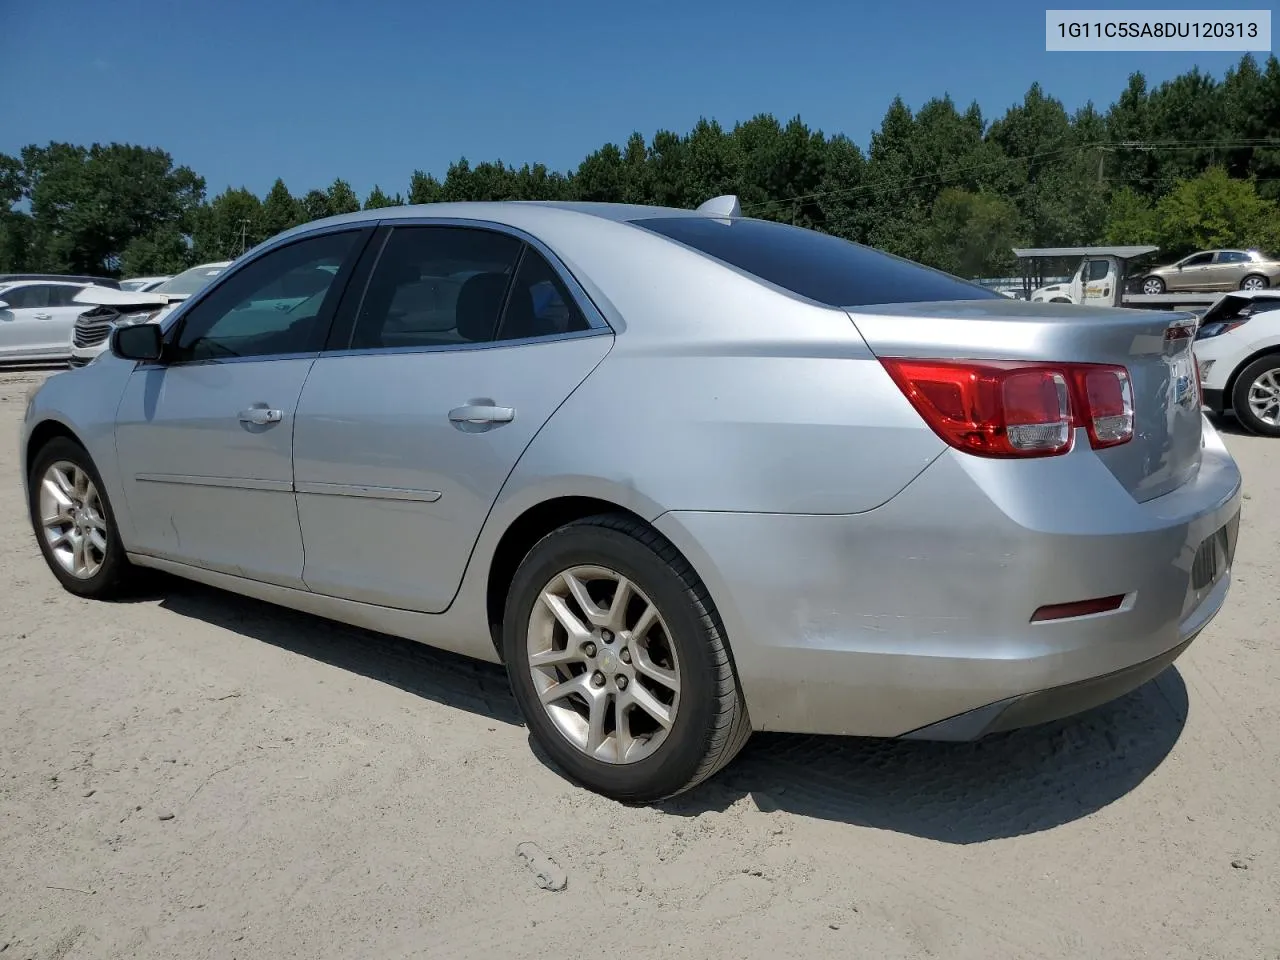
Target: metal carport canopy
column 1124, row 253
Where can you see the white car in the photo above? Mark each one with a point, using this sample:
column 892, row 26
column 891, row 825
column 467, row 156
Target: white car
column 142, row 284
column 1238, row 353
column 92, row 329
column 36, row 318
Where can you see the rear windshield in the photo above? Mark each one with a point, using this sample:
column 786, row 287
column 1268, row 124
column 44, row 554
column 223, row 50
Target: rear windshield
column 815, row 265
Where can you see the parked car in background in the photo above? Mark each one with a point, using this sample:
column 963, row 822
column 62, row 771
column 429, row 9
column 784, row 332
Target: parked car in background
column 93, row 326
column 141, row 284
column 36, row 318
column 687, row 474
column 1211, row 270
column 61, row 278
column 1238, row 354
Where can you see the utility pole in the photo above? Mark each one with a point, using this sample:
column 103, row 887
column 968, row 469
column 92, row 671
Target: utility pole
column 244, row 233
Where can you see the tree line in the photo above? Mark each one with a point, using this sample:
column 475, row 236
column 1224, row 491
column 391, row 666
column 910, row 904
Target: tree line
column 1191, row 163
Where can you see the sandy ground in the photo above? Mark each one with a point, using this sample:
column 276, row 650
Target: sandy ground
column 196, row 775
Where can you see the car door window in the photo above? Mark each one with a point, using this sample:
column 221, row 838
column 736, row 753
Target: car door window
column 1199, row 260
column 63, row 295
column 277, row 304
column 436, row 286
column 28, row 297
column 1098, row 270
column 1232, row 256
column 539, row 305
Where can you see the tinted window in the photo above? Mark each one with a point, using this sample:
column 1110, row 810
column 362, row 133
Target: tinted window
column 24, row 298
column 1233, row 256
column 539, row 305
column 816, row 265
column 258, row 311
column 1199, row 260
column 436, row 286
column 1098, row 270
column 63, row 295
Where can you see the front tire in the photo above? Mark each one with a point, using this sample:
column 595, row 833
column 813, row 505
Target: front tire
column 618, row 660
column 1255, row 398
column 74, row 523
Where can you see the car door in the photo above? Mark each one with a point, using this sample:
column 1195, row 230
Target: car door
column 1193, row 273
column 24, row 319
column 1229, row 268
column 1098, row 283
column 465, row 343
column 205, row 437
column 60, row 318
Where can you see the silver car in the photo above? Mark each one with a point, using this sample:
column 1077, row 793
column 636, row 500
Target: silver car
column 687, row 474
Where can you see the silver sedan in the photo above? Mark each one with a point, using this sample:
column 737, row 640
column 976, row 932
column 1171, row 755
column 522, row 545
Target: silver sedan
column 686, row 474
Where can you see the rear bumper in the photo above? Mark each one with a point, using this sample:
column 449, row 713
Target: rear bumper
column 918, row 613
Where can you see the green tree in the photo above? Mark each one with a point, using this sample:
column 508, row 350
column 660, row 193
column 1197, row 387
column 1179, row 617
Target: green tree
column 423, row 188
column 280, row 211
column 972, row 234
column 378, row 199
column 1212, row 210
column 165, row 252
column 342, row 199
column 229, row 225
column 314, row 206
column 89, row 203
column 1131, row 219
column 15, row 225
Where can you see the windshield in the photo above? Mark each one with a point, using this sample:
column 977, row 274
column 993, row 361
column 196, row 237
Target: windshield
column 190, row 281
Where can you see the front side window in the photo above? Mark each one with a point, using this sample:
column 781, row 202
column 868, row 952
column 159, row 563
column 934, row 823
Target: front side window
column 27, row 297
column 1199, row 260
column 436, row 286
column 1098, row 270
column 63, row 295
column 278, row 304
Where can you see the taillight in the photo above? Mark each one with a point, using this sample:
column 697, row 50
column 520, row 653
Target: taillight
column 1002, row 408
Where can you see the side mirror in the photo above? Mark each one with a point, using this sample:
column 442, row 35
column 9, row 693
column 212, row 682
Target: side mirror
column 140, row 341
column 4, row 305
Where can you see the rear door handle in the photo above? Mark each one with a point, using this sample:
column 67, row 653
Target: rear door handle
column 482, row 413
column 44, row 316
column 260, row 416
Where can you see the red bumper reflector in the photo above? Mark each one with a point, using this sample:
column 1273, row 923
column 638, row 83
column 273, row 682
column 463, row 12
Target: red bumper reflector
column 1081, row 608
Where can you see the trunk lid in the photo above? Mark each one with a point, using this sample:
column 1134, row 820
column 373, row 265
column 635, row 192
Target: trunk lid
column 1154, row 345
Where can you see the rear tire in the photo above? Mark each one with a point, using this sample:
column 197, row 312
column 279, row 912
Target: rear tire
column 1254, row 282
column 595, row 681
column 74, row 523
column 1153, row 286
column 1255, row 398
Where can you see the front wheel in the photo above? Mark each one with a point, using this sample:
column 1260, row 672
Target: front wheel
column 1253, row 282
column 1256, row 396
column 619, row 663
column 74, row 523
column 1153, row 286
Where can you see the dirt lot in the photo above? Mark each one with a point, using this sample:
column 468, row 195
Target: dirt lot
column 197, row 775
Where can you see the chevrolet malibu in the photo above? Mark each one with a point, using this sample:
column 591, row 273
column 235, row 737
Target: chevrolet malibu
column 686, row 474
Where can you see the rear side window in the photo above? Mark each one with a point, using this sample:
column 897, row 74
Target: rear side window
column 24, row 298
column 539, row 304
column 436, row 286
column 1233, row 256
column 815, row 265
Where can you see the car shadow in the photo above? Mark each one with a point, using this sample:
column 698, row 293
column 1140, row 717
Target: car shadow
column 1006, row 785
column 1228, row 424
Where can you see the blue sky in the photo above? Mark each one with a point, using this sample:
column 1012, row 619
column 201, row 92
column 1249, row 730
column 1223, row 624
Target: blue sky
column 368, row 90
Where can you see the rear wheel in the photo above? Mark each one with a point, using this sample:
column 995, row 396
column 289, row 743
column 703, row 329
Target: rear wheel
column 618, row 660
column 74, row 523
column 1256, row 396
column 1254, row 282
column 1153, row 286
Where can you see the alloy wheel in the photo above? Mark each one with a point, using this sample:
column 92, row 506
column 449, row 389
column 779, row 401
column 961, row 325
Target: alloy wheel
column 1254, row 283
column 73, row 519
column 604, row 665
column 1152, row 286
column 1264, row 398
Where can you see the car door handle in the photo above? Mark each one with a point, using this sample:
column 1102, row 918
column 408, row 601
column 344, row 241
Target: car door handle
column 482, row 413
column 43, row 316
column 260, row 416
